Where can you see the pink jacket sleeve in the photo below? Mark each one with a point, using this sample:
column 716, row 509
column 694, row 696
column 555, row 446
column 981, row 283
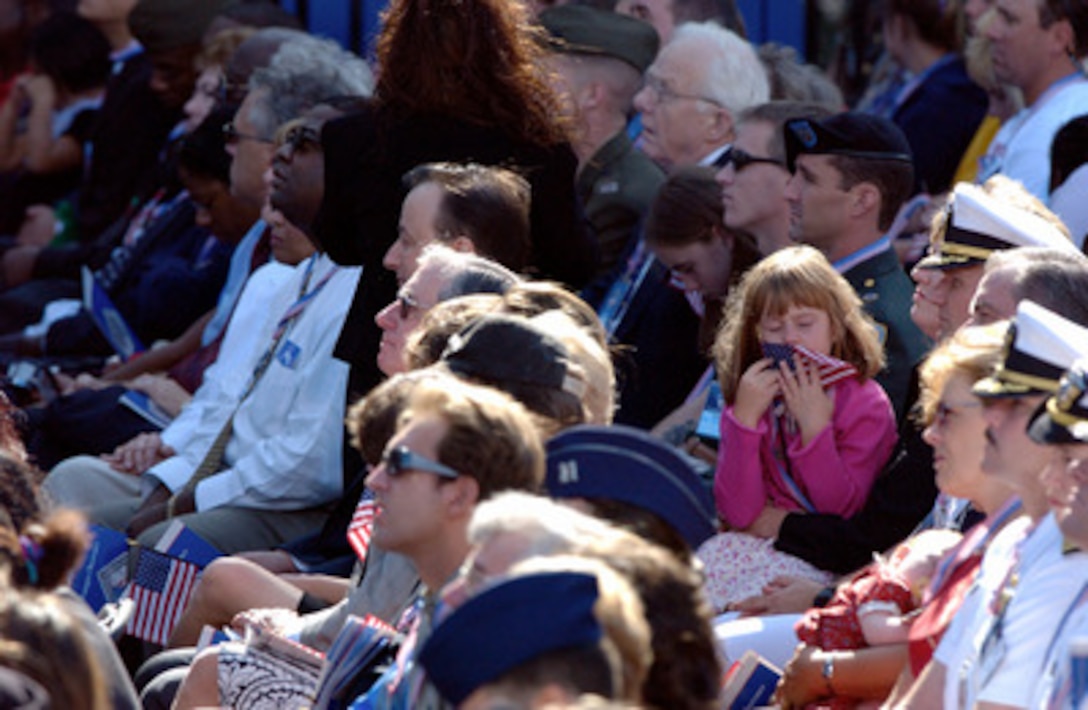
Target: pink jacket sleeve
column 740, row 487
column 837, row 468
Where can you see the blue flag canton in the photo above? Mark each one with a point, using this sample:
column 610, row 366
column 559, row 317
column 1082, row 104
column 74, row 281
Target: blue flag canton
column 779, row 352
column 153, row 571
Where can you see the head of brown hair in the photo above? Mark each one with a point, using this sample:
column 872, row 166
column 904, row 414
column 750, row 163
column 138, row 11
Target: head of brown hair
column 795, row 276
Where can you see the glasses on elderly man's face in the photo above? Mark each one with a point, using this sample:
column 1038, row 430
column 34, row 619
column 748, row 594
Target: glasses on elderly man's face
column 232, row 135
column 400, row 459
column 661, row 93
column 300, row 137
column 740, row 159
column 407, row 303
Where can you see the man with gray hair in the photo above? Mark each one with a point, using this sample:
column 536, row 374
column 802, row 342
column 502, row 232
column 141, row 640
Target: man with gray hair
column 693, row 91
column 261, row 462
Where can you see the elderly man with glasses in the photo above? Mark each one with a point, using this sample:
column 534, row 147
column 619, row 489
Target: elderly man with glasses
column 693, row 91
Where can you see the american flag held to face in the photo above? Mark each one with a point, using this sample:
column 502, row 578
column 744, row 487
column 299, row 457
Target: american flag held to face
column 830, row 370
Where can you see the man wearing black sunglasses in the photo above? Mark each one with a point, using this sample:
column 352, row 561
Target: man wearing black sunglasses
column 457, row 445
column 753, row 174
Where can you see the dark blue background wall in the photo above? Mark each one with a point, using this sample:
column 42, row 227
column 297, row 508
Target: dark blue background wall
column 354, row 23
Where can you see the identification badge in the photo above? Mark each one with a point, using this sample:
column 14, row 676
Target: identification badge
column 288, row 354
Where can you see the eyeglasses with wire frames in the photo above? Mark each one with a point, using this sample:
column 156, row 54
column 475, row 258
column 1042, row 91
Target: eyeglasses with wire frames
column 408, row 303
column 401, row 459
column 740, row 159
column 232, row 135
column 662, row 93
column 944, row 410
column 298, row 136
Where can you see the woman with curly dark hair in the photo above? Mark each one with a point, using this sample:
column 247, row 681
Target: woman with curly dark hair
column 460, row 80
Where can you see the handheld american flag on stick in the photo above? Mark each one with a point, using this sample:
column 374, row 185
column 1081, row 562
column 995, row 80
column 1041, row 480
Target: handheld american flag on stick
column 161, row 589
column 830, row 370
column 362, row 525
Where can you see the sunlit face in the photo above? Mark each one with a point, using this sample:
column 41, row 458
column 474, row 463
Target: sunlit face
column 994, row 298
column 416, row 229
column 930, row 292
column 409, row 506
column 403, row 315
column 799, row 325
column 251, row 153
column 298, row 168
column 679, row 123
column 1022, row 49
column 1067, row 492
column 704, row 266
column 1010, row 453
column 289, row 244
column 959, row 290
column 818, row 204
column 754, row 196
column 486, row 563
column 958, row 437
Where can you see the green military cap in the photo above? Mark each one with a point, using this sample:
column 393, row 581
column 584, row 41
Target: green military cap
column 167, row 24
column 578, row 29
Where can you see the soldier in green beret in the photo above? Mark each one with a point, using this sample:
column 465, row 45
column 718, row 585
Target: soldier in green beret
column 598, row 60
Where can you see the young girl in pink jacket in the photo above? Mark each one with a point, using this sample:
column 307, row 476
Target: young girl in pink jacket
column 804, row 427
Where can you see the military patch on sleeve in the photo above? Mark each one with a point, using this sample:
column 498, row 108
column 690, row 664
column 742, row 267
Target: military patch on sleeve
column 608, row 187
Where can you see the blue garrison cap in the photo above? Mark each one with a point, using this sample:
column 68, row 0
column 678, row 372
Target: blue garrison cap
column 508, row 625
column 626, row 464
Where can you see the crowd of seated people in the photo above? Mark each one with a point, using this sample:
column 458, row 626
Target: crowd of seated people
column 562, row 353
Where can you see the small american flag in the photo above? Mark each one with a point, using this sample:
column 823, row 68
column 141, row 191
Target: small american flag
column 160, row 589
column 362, row 525
column 830, row 370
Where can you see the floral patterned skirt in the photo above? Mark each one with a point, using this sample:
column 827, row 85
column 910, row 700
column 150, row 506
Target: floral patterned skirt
column 738, row 566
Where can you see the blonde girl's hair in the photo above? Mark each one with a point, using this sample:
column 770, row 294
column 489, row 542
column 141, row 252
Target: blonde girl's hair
column 796, row 276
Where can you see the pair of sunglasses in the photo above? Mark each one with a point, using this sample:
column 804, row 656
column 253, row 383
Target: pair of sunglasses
column 401, row 459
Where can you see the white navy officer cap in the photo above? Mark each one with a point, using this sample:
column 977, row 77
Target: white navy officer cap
column 1063, row 419
column 979, row 224
column 1039, row 347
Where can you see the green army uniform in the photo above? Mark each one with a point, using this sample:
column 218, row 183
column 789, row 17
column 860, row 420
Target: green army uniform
column 616, row 187
column 885, row 291
column 618, row 183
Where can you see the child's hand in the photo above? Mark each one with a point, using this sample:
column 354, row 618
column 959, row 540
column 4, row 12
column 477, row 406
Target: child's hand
column 756, row 390
column 806, row 400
